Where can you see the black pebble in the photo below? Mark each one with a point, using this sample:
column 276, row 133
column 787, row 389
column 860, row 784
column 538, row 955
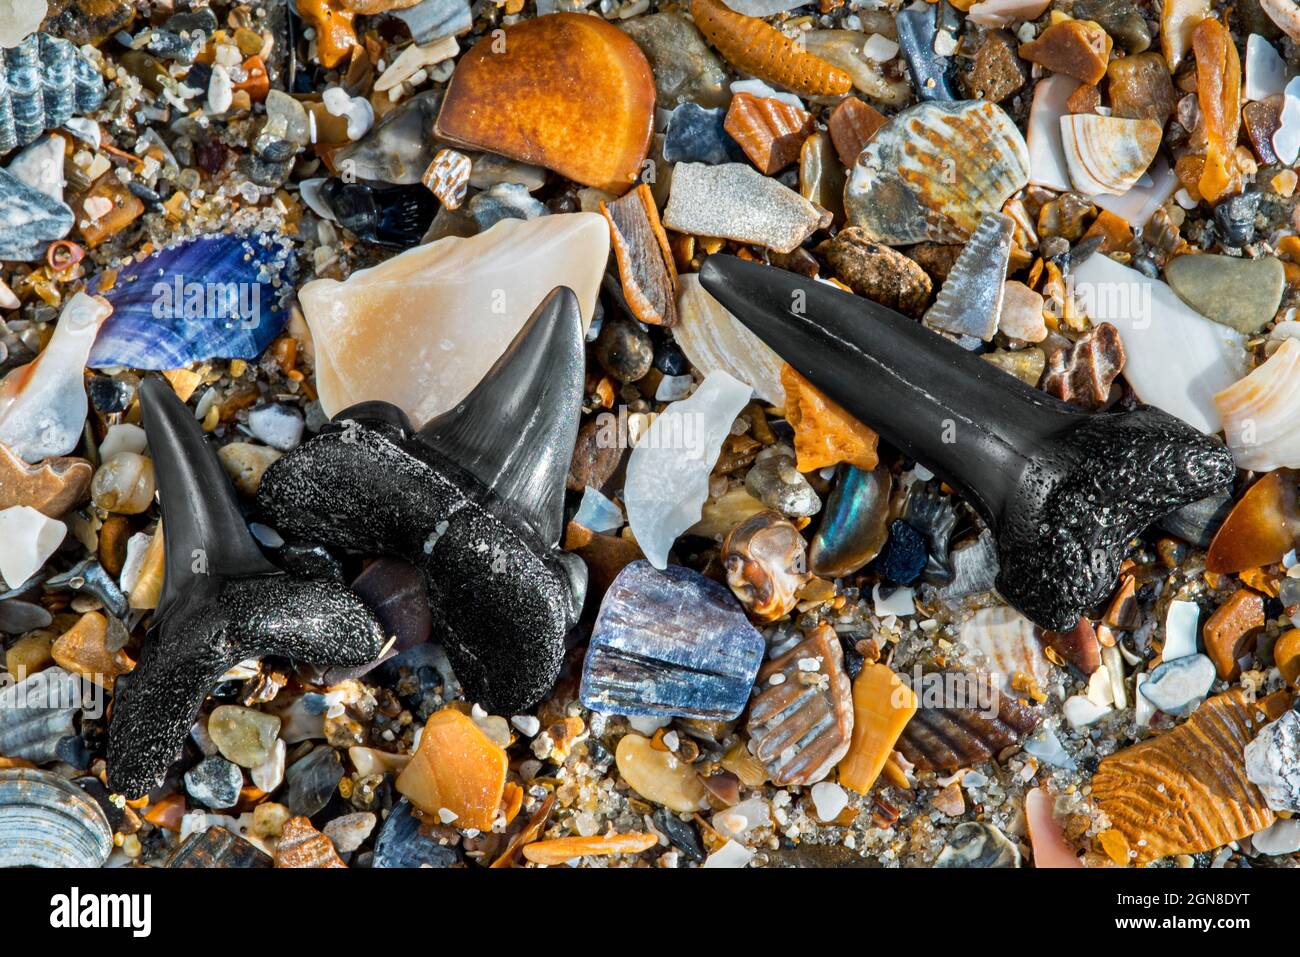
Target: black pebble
column 904, row 555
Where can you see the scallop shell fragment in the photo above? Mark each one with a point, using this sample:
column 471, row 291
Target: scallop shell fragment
column 47, row 821
column 716, row 341
column 1261, row 413
column 934, row 171
column 1108, row 154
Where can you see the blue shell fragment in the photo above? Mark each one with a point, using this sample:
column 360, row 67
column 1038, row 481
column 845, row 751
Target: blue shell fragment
column 670, row 643
column 44, row 82
column 931, row 73
column 216, row 297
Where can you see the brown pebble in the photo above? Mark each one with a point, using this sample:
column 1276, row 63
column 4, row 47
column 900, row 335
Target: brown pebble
column 1078, row 646
column 595, row 457
column 1262, row 119
column 998, row 73
column 1084, row 372
column 1085, row 99
column 1077, row 48
column 851, row 125
column 937, row 259
column 877, row 272
column 1140, row 88
column 1233, row 630
column 53, row 487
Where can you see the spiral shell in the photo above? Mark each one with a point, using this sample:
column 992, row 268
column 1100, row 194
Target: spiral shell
column 46, row 821
column 44, row 82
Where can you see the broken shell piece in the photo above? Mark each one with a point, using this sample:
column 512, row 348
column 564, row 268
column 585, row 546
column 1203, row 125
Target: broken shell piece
column 27, row 540
column 766, row 561
column 561, row 849
column 734, row 201
column 1232, row 630
column 422, row 328
column 934, row 170
column 962, row 720
column 1179, row 685
column 1187, row 790
column 1001, row 13
column 668, row 470
column 754, row 47
column 770, row 131
column 971, row 298
column 1273, row 762
column 43, row 404
column 448, row 177
column 458, row 772
column 1266, row 72
column 1179, row 19
column 1284, row 13
column 882, row 706
column 1045, row 834
column 1261, row 528
column 1108, row 154
column 538, row 87
column 1047, row 166
column 855, row 524
column 846, row 49
column 978, row 843
column 716, row 341
column 1261, row 413
column 1084, row 372
column 1007, row 646
column 645, row 262
column 670, row 643
column 1077, row 647
column 851, row 126
column 53, row 487
column 801, row 722
column 824, row 434
column 47, row 821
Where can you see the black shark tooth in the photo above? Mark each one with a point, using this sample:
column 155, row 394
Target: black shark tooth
column 222, row 602
column 1063, row 490
column 475, row 500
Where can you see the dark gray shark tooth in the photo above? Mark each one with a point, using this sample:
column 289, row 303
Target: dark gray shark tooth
column 1063, row 490
column 474, row 500
column 221, row 602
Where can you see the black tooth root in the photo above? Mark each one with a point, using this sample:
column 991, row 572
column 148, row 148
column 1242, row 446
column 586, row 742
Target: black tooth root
column 222, row 602
column 1063, row 490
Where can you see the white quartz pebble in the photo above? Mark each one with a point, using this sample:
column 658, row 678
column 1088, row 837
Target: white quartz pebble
column 27, row 540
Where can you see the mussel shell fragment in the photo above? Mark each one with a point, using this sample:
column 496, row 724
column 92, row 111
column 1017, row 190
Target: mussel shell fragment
column 46, row 821
column 855, row 524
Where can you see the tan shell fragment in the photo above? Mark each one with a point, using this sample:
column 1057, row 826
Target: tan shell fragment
column 1186, row 791
column 1108, row 154
column 800, row 725
column 934, row 170
column 1007, row 644
column 52, row 487
column 952, row 731
column 301, row 845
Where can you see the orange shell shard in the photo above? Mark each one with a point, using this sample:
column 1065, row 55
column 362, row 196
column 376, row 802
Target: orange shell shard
column 882, row 706
column 561, row 849
column 457, row 769
column 566, row 91
column 824, row 434
column 1232, row 631
column 1218, row 90
column 751, row 46
column 771, row 132
column 645, row 260
column 1187, row 791
column 1261, row 528
column 851, row 127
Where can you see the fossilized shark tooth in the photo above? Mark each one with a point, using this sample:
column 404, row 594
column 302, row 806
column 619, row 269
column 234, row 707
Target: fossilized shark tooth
column 1063, row 490
column 222, row 602
column 474, row 499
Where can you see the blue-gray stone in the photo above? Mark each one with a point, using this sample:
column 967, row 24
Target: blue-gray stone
column 931, row 73
column 401, row 843
column 29, row 220
column 214, row 782
column 503, row 201
column 670, row 643
column 1175, row 685
column 696, row 135
column 312, row 781
column 434, row 19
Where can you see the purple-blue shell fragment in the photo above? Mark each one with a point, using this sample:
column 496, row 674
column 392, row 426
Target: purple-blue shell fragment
column 215, row 297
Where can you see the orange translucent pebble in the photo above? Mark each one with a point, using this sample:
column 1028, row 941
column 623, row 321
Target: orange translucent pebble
column 457, row 769
column 167, row 812
column 824, row 434
column 335, row 34
column 562, row 849
column 882, row 706
column 1261, row 528
column 1218, row 90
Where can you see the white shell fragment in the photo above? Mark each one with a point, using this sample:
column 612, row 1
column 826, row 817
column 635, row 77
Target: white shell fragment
column 1108, row 154
column 27, row 540
column 1273, row 762
column 1047, row 165
column 19, row 19
column 1266, row 72
column 1286, row 14
column 1005, row 641
column 1182, row 623
column 716, row 341
column 43, row 404
column 999, row 13
column 1176, row 359
column 421, row 329
column 1261, row 413
column 735, row 201
column 40, row 165
column 1139, row 204
column 1286, row 141
column 668, row 470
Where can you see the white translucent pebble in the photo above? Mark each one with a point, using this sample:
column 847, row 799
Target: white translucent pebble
column 1261, row 413
column 1266, row 72
column 1113, row 662
column 899, row 603
column 730, row 854
column 598, row 513
column 221, row 90
column 715, row 340
column 648, row 724
column 421, row 329
column 526, row 724
column 737, row 821
column 357, row 109
column 43, row 404
column 1286, row 140
column 999, row 13
column 1181, row 621
column 1143, row 709
column 136, row 546
column 668, row 470
column 27, row 540
column 278, row 426
column 40, row 166
column 1281, row 837
column 350, row 831
column 764, row 92
column 829, row 799
column 1273, row 762
column 1176, row 359
column 1047, row 165
column 1081, row 712
column 674, row 387
column 1044, row 744
column 1099, row 690
column 19, row 19
column 123, row 437
column 879, row 48
column 1140, row 203
column 269, row 775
